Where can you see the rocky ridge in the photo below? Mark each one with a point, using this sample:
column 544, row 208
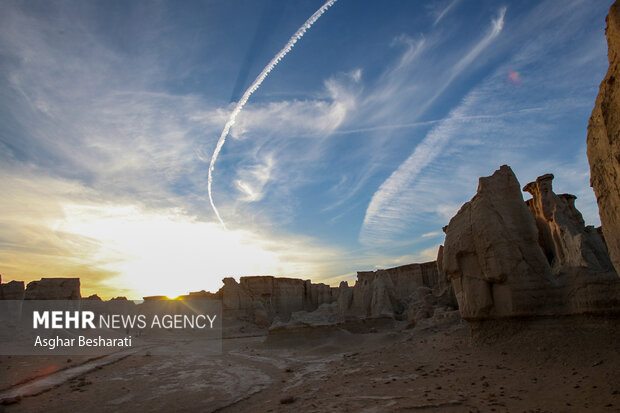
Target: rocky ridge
column 604, row 142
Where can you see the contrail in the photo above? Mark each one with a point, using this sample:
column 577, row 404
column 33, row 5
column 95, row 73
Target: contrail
column 253, row 87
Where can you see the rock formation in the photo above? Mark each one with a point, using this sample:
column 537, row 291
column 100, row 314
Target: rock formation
column 53, row 289
column 491, row 251
column 604, row 142
column 260, row 299
column 562, row 234
column 13, row 290
column 325, row 315
column 93, row 297
column 509, row 258
column 385, row 293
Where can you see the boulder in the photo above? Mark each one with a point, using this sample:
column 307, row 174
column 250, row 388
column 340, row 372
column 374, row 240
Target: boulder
column 604, row 142
column 53, row 289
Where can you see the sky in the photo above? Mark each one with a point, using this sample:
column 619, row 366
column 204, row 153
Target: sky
column 355, row 150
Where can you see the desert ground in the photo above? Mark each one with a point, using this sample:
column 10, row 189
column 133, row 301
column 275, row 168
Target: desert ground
column 546, row 365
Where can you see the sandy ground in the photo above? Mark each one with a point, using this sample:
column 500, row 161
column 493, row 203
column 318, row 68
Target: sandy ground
column 543, row 366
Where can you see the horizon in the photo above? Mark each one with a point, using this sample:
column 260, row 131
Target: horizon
column 352, row 155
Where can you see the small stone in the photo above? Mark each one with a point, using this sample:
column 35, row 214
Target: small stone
column 288, row 400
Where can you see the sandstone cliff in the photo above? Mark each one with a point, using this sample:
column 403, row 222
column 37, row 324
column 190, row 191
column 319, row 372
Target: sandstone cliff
column 386, row 292
column 491, row 251
column 604, row 142
column 260, row 299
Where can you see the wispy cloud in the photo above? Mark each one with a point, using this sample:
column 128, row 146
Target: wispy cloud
column 441, row 174
column 497, row 25
column 252, row 180
column 445, row 11
column 383, row 213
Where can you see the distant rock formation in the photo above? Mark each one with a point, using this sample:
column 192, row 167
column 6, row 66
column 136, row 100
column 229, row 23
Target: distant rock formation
column 604, row 142
column 325, row 315
column 385, row 292
column 53, row 289
column 93, row 297
column 509, row 258
column 260, row 299
column 13, row 290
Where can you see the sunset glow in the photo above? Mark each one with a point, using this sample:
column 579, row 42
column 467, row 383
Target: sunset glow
column 352, row 154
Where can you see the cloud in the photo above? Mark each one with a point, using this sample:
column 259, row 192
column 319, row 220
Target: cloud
column 252, row 180
column 55, row 227
column 106, row 173
column 442, row 13
column 382, row 213
column 253, row 87
column 495, row 123
column 497, row 25
column 93, row 136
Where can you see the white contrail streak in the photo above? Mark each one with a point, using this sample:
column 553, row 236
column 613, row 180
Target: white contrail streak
column 253, row 87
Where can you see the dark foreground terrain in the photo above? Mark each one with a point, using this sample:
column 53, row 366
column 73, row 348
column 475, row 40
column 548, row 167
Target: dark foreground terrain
column 554, row 365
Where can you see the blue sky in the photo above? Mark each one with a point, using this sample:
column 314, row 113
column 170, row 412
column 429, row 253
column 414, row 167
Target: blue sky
column 352, row 154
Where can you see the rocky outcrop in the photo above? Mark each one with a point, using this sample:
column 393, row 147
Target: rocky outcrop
column 317, row 294
column 384, row 293
column 198, row 295
column 260, row 299
column 565, row 240
column 13, row 290
column 500, row 266
column 444, row 286
column 604, row 142
column 53, row 289
column 93, row 297
column 325, row 315
column 491, row 251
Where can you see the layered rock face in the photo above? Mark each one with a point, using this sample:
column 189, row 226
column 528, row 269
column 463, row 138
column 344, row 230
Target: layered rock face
column 385, row 293
column 604, row 142
column 53, row 289
column 260, row 299
column 562, row 234
column 506, row 257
